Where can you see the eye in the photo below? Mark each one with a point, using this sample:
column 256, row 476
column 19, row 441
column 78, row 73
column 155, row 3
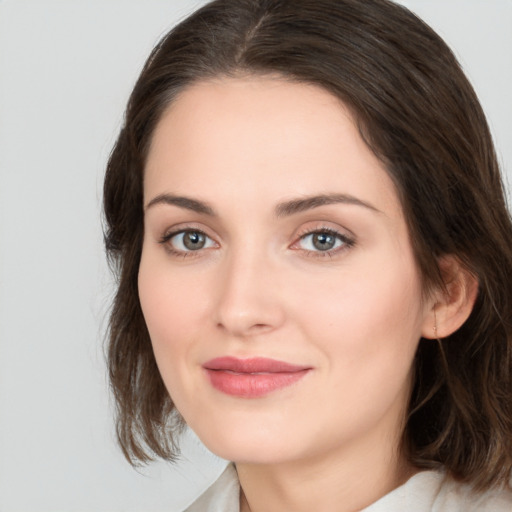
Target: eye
column 325, row 240
column 188, row 241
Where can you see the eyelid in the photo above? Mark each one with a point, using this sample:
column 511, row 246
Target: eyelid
column 174, row 231
column 181, row 227
column 349, row 240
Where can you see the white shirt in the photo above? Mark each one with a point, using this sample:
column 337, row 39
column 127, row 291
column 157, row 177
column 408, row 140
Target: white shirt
column 427, row 491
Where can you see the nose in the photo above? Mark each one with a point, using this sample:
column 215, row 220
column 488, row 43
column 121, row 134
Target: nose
column 249, row 297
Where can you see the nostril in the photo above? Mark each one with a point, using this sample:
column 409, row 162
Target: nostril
column 243, row 328
column 245, row 305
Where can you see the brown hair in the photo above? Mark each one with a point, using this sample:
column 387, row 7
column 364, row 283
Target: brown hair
column 421, row 117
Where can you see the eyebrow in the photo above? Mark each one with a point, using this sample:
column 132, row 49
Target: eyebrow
column 308, row 203
column 282, row 210
column 183, row 202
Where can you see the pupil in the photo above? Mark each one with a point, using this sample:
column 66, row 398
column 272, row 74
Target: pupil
column 323, row 241
column 194, row 241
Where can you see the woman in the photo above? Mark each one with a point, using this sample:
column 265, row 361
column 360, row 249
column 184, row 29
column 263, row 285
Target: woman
column 313, row 248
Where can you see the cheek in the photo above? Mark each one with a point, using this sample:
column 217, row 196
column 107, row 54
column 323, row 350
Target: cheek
column 367, row 324
column 174, row 307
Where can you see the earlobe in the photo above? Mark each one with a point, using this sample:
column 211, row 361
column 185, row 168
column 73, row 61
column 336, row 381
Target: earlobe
column 452, row 304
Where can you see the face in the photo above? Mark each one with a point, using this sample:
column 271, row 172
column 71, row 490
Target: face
column 277, row 278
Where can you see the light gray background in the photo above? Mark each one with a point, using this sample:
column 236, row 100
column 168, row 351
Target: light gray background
column 66, row 69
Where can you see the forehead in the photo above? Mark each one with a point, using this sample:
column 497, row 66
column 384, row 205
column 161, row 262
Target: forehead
column 262, row 137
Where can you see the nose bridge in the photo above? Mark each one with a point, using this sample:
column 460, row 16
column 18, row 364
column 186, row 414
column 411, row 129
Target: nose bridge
column 248, row 300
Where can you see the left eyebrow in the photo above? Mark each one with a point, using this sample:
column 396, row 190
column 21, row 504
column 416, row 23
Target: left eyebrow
column 307, row 203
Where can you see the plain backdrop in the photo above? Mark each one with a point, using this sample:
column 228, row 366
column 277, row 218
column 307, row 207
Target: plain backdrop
column 66, row 70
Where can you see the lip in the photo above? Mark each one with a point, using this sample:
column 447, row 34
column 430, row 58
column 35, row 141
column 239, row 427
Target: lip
column 252, row 378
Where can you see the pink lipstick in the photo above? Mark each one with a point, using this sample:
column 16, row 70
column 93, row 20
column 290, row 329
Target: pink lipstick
column 252, row 378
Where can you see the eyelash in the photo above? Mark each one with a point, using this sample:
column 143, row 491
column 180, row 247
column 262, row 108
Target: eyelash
column 166, row 241
column 347, row 242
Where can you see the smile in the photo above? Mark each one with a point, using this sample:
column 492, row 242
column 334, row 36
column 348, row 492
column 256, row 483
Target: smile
column 252, row 378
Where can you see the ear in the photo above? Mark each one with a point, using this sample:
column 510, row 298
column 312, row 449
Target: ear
column 451, row 305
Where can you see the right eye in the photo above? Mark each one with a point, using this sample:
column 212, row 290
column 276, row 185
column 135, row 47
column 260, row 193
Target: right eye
column 189, row 240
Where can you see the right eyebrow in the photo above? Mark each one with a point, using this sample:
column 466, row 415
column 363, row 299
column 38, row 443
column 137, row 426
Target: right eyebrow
column 182, row 202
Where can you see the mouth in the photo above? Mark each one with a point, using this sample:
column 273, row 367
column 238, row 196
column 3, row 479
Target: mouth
column 252, row 378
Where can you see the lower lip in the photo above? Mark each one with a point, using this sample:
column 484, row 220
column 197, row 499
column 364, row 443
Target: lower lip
column 252, row 385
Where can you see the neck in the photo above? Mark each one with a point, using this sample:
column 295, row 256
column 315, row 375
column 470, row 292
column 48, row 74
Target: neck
column 338, row 482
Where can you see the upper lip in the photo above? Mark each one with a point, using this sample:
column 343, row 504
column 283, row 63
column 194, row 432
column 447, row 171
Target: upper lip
column 252, row 365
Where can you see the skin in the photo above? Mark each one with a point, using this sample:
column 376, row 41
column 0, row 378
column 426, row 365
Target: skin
column 259, row 287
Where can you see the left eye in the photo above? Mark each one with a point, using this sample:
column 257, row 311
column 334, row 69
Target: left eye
column 186, row 241
column 323, row 241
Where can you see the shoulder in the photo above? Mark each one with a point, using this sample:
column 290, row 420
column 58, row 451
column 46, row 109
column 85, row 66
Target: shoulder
column 427, row 491
column 433, row 491
column 222, row 496
column 461, row 497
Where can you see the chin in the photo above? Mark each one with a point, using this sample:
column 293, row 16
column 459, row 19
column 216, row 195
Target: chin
column 250, row 453
column 249, row 444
